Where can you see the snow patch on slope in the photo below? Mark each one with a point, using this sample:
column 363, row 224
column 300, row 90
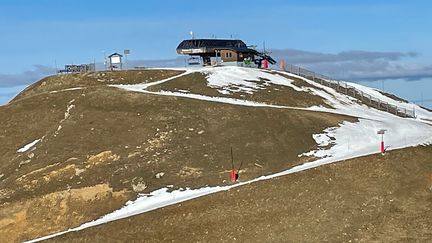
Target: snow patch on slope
column 420, row 112
column 237, row 79
column 28, row 146
column 361, row 138
column 143, row 86
column 63, row 90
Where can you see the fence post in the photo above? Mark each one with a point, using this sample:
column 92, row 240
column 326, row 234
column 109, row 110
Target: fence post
column 336, row 84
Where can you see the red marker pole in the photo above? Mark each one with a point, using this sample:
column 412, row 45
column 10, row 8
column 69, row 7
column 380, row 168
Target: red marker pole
column 265, row 63
column 382, row 148
column 233, row 175
column 233, row 172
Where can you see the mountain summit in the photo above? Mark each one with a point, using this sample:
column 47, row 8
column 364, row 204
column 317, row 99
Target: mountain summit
column 76, row 147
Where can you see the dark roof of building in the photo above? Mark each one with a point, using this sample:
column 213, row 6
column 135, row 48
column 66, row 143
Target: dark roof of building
column 115, row 54
column 210, row 45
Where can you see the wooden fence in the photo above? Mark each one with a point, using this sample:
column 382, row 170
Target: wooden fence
column 345, row 88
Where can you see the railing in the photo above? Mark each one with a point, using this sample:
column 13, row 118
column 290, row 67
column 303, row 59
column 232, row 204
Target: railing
column 345, row 88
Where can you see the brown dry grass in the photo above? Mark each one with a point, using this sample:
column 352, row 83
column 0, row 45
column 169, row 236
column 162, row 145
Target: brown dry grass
column 369, row 199
column 23, row 220
column 103, row 135
column 66, row 81
column 270, row 93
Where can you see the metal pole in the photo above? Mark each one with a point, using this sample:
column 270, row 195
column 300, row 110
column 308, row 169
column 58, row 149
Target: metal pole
column 126, row 66
column 421, row 95
column 105, row 60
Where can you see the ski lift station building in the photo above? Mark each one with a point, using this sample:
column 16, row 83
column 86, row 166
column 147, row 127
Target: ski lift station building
column 222, row 52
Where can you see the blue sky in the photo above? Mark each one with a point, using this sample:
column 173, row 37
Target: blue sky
column 358, row 40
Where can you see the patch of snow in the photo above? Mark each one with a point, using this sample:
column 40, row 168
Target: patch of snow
column 28, row 146
column 239, row 79
column 144, row 203
column 70, row 89
column 361, row 138
column 322, row 139
column 67, row 114
column 419, row 111
column 226, row 100
column 183, row 91
column 146, row 85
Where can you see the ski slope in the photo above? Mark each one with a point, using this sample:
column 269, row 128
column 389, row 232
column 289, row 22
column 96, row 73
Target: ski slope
column 348, row 140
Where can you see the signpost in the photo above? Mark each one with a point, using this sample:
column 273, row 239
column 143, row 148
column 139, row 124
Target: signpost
column 126, row 53
column 381, row 132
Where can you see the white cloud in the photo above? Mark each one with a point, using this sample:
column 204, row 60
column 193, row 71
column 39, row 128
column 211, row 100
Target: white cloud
column 358, row 65
column 26, row 77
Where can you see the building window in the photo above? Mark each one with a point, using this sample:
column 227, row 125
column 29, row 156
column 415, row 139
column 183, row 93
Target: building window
column 229, row 55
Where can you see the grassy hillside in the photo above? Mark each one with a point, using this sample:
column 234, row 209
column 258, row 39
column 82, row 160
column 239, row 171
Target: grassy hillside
column 100, row 146
column 97, row 145
column 370, row 199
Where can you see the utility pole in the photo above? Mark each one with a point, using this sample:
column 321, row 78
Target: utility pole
column 421, row 97
column 104, row 60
